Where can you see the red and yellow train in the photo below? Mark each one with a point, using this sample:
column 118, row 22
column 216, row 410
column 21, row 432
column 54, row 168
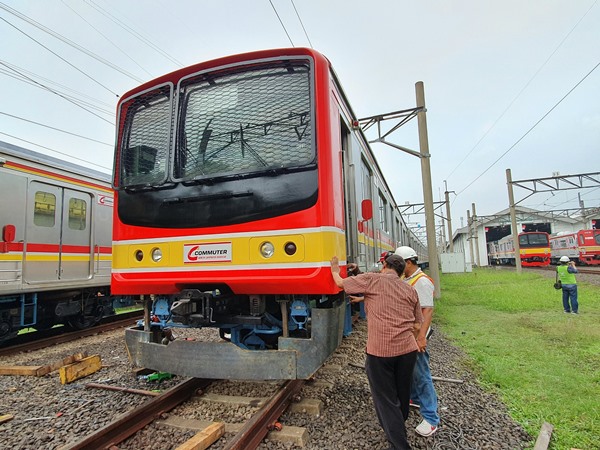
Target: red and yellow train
column 583, row 247
column 534, row 249
column 236, row 181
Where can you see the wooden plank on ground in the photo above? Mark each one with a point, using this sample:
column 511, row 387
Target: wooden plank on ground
column 6, row 418
column 204, row 438
column 544, row 437
column 33, row 371
column 122, row 389
column 39, row 371
column 65, row 361
column 80, row 369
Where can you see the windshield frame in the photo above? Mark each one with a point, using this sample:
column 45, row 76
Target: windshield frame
column 124, row 130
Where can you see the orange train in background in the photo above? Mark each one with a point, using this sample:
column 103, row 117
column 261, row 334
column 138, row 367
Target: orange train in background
column 534, row 249
column 236, row 180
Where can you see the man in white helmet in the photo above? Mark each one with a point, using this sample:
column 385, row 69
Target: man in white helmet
column 422, row 390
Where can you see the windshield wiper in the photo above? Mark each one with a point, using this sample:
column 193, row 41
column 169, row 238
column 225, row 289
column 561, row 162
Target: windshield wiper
column 203, row 198
column 244, row 176
column 148, row 187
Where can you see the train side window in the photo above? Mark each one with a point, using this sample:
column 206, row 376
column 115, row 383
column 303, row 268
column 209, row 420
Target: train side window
column 383, row 213
column 44, row 212
column 77, row 214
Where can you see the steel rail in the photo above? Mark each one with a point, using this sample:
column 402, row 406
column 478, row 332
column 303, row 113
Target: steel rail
column 38, row 343
column 133, row 421
column 255, row 429
column 579, row 269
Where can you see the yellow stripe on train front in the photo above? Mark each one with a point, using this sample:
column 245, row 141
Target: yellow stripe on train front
column 535, row 251
column 314, row 247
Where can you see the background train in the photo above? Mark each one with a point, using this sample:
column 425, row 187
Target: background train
column 55, row 248
column 583, row 247
column 534, row 249
column 236, row 181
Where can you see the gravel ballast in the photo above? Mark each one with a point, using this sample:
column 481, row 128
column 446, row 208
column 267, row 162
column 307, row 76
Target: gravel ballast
column 47, row 415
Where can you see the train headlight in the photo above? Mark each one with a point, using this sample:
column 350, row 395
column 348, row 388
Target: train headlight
column 267, row 249
column 139, row 255
column 157, row 255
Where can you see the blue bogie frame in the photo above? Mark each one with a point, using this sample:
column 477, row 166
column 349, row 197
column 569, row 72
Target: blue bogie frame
column 245, row 336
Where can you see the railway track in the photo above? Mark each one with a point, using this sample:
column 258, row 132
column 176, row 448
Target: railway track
column 247, row 437
column 49, row 415
column 42, row 339
column 580, row 269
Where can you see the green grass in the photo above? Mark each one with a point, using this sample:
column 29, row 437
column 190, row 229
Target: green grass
column 544, row 364
column 127, row 309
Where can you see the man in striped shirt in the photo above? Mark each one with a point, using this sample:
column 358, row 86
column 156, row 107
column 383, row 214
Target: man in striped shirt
column 393, row 319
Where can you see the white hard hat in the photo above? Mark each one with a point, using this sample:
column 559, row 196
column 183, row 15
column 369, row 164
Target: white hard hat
column 406, row 252
column 564, row 259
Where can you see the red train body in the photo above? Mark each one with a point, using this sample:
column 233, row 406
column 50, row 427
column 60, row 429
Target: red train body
column 236, row 182
column 534, row 249
column 582, row 246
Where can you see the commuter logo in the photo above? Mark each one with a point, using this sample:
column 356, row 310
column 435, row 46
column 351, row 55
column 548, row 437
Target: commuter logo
column 202, row 253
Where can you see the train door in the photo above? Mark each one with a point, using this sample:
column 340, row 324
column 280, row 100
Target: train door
column 58, row 238
column 76, row 255
column 349, row 196
column 368, row 252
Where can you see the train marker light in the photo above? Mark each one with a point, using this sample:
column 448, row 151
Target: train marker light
column 290, row 248
column 267, row 249
column 139, row 255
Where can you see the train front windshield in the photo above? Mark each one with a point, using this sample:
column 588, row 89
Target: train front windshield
column 237, row 145
column 533, row 240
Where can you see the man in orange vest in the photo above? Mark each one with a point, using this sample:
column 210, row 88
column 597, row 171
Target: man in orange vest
column 422, row 390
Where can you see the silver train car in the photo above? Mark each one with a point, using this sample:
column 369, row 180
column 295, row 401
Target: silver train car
column 55, row 243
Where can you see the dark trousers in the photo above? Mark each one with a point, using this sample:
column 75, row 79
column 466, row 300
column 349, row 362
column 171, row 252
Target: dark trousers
column 389, row 380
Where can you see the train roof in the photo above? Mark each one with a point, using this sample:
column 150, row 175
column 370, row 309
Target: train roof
column 50, row 161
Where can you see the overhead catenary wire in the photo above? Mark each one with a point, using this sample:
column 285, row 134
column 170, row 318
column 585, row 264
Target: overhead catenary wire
column 58, row 93
column 68, row 42
column 521, row 91
column 281, row 22
column 56, row 151
column 80, row 97
column 54, row 128
column 133, row 32
column 60, row 57
column 301, row 23
column 114, row 44
column 529, row 130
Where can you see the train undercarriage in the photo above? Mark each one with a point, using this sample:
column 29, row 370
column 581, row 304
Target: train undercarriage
column 262, row 337
column 76, row 308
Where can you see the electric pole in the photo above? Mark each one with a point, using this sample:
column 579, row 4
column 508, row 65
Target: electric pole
column 513, row 220
column 449, row 217
column 474, row 220
column 434, row 268
column 470, row 234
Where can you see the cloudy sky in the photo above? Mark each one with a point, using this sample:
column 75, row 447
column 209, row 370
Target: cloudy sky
column 508, row 84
